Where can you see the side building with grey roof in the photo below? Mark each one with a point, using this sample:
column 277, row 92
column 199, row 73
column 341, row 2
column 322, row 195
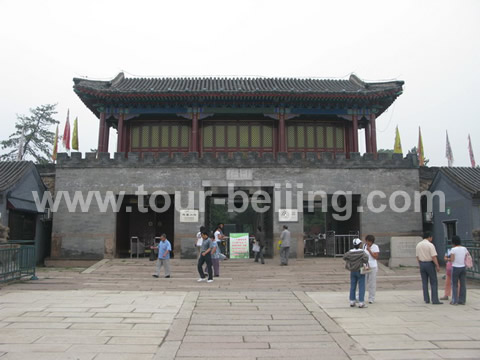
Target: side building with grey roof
column 18, row 211
column 460, row 187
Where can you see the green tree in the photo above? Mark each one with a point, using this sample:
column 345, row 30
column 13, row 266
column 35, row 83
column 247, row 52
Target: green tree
column 386, row 151
column 32, row 136
column 414, row 152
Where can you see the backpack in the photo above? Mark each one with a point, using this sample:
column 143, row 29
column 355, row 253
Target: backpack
column 468, row 260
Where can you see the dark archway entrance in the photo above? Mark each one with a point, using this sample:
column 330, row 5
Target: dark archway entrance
column 146, row 225
column 241, row 222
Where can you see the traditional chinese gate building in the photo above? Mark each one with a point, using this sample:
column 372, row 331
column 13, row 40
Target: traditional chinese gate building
column 202, row 134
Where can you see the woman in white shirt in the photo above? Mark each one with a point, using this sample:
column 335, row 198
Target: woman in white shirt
column 371, row 279
column 457, row 257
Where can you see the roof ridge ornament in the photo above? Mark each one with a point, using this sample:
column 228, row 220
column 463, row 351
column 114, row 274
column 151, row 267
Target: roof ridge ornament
column 117, row 79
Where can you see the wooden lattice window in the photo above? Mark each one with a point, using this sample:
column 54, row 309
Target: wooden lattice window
column 160, row 136
column 231, row 136
column 315, row 137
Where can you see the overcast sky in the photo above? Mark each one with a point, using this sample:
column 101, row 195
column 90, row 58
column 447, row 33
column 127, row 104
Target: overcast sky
column 432, row 45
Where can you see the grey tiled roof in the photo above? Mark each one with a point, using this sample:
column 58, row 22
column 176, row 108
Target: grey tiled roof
column 12, row 171
column 466, row 178
column 245, row 86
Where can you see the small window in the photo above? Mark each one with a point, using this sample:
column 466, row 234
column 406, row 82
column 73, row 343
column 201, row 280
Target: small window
column 339, row 138
column 174, row 138
column 310, row 137
column 232, row 136
column 155, row 136
column 185, row 136
column 255, row 136
column 165, row 136
column 208, row 136
column 145, row 137
column 329, row 137
column 267, row 136
column 243, row 136
column 136, row 137
column 220, row 136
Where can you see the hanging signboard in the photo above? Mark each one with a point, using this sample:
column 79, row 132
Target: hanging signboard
column 188, row 216
column 288, row 215
column 239, row 246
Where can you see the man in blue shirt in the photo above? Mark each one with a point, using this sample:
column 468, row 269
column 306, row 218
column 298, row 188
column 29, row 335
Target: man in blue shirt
column 164, row 248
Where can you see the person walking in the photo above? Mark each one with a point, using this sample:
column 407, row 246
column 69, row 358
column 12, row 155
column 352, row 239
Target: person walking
column 459, row 273
column 355, row 259
column 371, row 277
column 260, row 239
column 199, row 240
column 205, row 257
column 428, row 263
column 284, row 246
column 164, row 248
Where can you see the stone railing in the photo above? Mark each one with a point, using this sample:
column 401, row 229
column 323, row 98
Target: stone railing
column 238, row 159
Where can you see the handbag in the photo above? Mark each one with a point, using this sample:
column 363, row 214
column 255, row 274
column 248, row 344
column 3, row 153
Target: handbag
column 468, row 260
column 256, row 247
column 365, row 269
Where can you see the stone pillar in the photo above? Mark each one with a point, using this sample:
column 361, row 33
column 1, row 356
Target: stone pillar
column 101, row 133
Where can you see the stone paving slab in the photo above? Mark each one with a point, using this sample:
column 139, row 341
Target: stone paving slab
column 50, row 332
column 386, row 331
column 117, row 311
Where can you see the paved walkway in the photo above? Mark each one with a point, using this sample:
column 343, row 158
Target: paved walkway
column 116, row 310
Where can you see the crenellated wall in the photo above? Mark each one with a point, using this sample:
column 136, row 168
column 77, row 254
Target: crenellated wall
column 251, row 159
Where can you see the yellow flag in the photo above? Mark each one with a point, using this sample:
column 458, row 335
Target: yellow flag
column 55, row 146
column 397, row 149
column 421, row 156
column 75, row 134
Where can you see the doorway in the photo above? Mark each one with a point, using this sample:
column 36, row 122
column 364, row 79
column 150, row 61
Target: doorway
column 144, row 222
column 246, row 221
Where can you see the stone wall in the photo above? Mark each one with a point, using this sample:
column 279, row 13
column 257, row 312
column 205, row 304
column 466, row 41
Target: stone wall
column 92, row 233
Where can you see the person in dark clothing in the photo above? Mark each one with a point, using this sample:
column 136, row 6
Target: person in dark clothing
column 354, row 261
column 260, row 239
column 205, row 257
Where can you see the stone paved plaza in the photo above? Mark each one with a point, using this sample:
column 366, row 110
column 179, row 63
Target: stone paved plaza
column 116, row 310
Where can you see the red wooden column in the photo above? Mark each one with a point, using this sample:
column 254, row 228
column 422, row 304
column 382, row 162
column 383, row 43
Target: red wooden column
column 120, row 133
column 106, row 137
column 355, row 132
column 368, row 142
column 126, row 132
column 101, row 133
column 282, row 146
column 373, row 134
column 194, row 144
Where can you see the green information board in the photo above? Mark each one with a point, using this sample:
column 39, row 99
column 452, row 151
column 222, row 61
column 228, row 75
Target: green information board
column 239, row 246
